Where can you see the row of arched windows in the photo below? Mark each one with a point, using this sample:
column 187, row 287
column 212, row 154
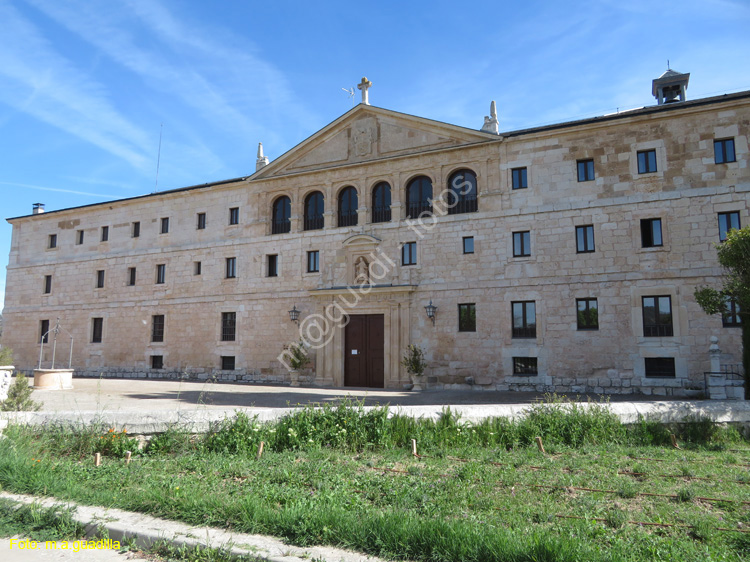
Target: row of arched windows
column 460, row 197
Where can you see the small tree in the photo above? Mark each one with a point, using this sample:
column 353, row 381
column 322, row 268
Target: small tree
column 298, row 356
column 414, row 360
column 734, row 256
column 19, row 397
column 6, row 356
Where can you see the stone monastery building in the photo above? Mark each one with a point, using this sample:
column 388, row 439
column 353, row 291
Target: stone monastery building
column 561, row 257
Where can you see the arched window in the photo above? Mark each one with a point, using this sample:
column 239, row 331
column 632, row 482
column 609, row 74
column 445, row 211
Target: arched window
column 381, row 202
column 462, row 192
column 418, row 197
column 282, row 211
column 314, row 211
column 348, row 203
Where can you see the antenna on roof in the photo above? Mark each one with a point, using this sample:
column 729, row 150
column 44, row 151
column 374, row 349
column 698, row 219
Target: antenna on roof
column 667, row 64
column 350, row 91
column 158, row 159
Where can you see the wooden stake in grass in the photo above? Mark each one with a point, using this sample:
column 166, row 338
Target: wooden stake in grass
column 674, row 441
column 260, row 451
column 539, row 444
column 97, row 459
column 414, row 447
column 128, row 454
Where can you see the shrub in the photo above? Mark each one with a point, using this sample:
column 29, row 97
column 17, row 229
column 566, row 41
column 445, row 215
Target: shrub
column 19, row 396
column 115, row 444
column 238, row 435
column 414, row 361
column 6, row 356
column 171, row 442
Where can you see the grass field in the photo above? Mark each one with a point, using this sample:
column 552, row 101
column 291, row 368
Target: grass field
column 479, row 492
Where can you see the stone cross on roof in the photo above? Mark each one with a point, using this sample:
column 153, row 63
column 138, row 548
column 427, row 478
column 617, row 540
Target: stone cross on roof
column 364, row 86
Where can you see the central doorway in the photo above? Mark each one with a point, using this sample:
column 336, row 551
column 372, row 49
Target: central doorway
column 364, row 351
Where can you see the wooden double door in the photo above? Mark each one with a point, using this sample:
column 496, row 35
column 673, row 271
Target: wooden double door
column 364, row 350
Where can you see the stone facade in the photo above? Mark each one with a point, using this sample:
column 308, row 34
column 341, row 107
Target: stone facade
column 364, row 147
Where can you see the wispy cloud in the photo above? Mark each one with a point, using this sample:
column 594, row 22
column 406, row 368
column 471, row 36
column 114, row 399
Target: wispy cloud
column 223, row 84
column 57, row 189
column 40, row 82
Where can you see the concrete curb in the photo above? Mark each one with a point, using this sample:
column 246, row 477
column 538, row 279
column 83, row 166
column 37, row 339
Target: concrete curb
column 146, row 530
column 201, row 420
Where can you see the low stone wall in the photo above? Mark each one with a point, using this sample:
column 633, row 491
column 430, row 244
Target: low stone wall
column 237, row 376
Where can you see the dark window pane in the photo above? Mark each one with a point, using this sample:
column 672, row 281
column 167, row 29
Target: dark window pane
column 660, row 367
column 467, row 318
column 201, row 221
column 157, row 361
column 313, row 261
column 409, row 253
column 282, row 212
column 468, row 244
column 585, row 170
column 136, row 229
column 43, row 331
column 273, row 265
column 348, row 204
column 519, row 178
column 165, row 225
column 228, row 326
column 524, row 319
column 585, row 239
column 587, row 311
column 381, row 203
column 97, row 328
column 234, row 215
column 227, row 363
column 657, row 316
column 525, row 366
column 314, row 211
column 157, row 328
column 419, row 197
column 462, row 193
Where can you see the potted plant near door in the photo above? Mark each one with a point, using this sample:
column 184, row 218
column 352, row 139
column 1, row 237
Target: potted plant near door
column 415, row 365
column 298, row 360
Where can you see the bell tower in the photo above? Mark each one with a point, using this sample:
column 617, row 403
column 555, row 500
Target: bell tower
column 670, row 87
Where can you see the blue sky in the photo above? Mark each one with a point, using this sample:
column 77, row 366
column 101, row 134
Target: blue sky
column 86, row 85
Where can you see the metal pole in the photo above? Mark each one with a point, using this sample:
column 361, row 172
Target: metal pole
column 54, row 342
column 41, row 350
column 70, row 357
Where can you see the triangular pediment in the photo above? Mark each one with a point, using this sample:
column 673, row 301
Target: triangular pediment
column 370, row 133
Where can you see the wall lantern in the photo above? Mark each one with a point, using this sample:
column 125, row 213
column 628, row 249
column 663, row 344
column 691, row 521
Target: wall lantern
column 431, row 309
column 294, row 314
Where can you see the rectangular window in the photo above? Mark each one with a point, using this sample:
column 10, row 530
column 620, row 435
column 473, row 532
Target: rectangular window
column 105, row 233
column 519, row 178
column 521, row 244
column 157, row 328
column 660, row 367
column 161, row 274
column 731, row 317
column 164, row 225
column 201, row 221
column 100, row 279
column 524, row 319
column 136, row 229
column 585, row 239
column 273, row 265
column 651, row 233
column 52, row 243
column 467, row 317
column 197, row 266
column 657, row 316
column 131, row 276
column 525, row 366
column 97, row 328
column 468, row 244
column 79, row 237
column 44, row 331
column 728, row 221
column 724, row 151
column 409, row 253
column 231, row 268
column 587, row 312
column 47, row 284
column 227, row 362
column 585, row 170
column 313, row 261
column 646, row 161
column 157, row 361
column 228, row 326
column 234, row 215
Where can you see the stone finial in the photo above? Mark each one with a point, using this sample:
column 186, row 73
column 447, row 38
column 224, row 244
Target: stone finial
column 491, row 124
column 364, row 86
column 261, row 160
